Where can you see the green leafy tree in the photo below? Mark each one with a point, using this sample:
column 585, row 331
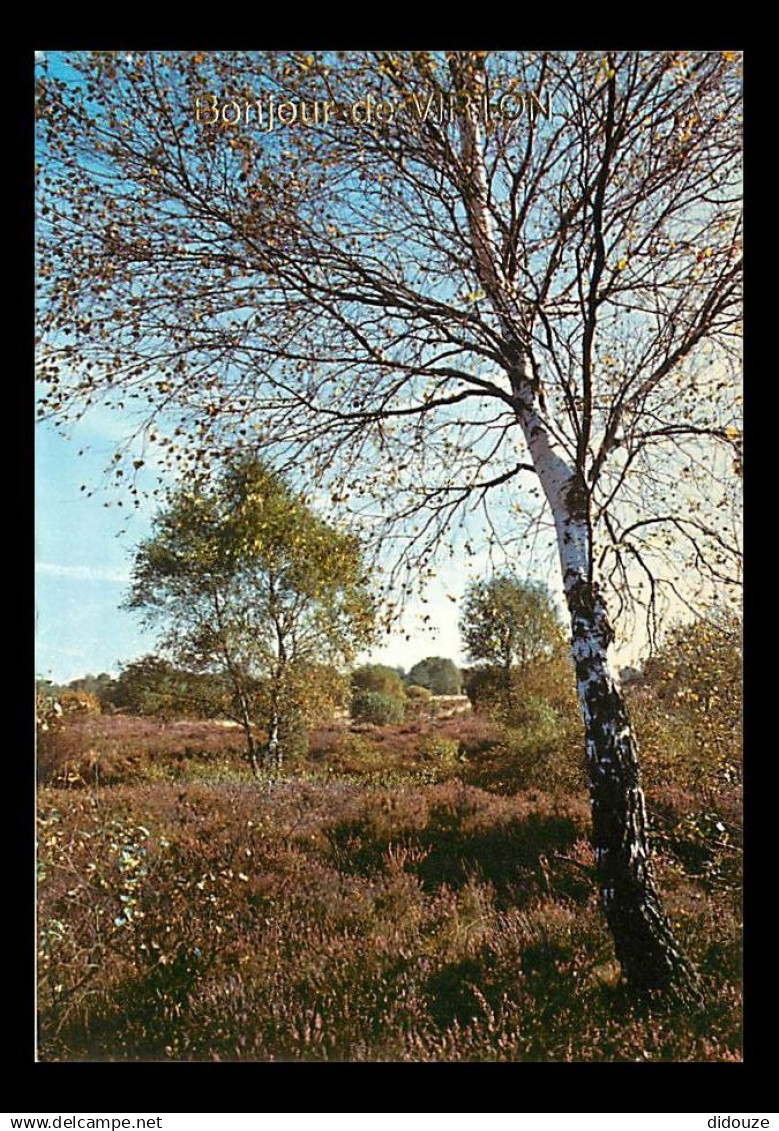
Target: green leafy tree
column 154, row 686
column 379, row 678
column 378, row 694
column 507, row 622
column 102, row 686
column 147, row 686
column 246, row 580
column 440, row 675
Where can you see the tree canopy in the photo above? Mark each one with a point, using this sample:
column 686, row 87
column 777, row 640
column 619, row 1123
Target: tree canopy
column 245, row 579
column 378, row 678
column 154, row 686
column 440, row 675
column 507, row 621
column 696, row 675
column 341, row 294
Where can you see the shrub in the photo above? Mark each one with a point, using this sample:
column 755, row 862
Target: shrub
column 377, row 707
column 79, row 702
column 379, row 678
column 550, row 680
column 421, row 694
column 354, row 754
column 420, row 703
column 482, row 686
column 443, row 753
column 542, row 754
column 687, row 708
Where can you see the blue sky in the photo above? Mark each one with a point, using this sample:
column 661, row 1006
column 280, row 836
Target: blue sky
column 84, row 551
column 81, row 562
column 83, row 555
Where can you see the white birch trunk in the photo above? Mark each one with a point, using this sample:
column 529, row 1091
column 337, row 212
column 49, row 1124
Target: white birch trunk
column 273, row 748
column 644, row 943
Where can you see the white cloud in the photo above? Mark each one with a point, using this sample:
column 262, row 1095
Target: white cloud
column 83, row 572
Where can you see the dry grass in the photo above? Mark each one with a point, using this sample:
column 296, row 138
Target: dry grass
column 393, row 898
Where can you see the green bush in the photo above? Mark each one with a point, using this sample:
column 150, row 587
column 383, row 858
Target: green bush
column 379, row 678
column 377, row 707
column 420, row 703
column 540, row 718
column 546, row 754
column 438, row 751
column 355, row 754
column 687, row 708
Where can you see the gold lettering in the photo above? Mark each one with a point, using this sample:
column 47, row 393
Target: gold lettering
column 363, row 105
column 541, row 109
column 256, row 105
column 236, row 109
column 210, row 109
column 309, row 116
column 505, row 111
column 420, row 113
column 287, row 113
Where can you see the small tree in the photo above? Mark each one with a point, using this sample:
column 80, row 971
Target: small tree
column 248, row 581
column 440, row 675
column 507, row 621
column 102, row 686
column 146, row 687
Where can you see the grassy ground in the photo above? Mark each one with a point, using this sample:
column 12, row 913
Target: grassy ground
column 405, row 893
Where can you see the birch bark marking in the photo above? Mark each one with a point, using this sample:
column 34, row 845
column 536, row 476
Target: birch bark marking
column 273, row 746
column 238, row 686
column 274, row 751
column 644, row 943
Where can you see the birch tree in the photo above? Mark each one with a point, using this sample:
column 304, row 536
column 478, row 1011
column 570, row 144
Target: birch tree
column 242, row 578
column 442, row 286
column 506, row 621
